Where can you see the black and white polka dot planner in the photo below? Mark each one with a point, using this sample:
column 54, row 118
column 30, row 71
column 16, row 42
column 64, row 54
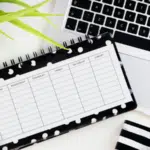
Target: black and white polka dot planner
column 56, row 92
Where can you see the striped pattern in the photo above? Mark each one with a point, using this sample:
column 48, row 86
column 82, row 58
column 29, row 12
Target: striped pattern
column 134, row 137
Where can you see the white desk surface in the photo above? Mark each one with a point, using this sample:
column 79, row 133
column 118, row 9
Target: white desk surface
column 100, row 136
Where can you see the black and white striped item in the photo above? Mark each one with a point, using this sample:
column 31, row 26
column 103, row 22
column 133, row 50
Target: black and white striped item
column 134, row 137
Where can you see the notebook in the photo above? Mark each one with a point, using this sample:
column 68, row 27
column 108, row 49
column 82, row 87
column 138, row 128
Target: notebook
column 52, row 94
column 134, row 136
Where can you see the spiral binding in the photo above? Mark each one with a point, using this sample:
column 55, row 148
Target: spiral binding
column 43, row 52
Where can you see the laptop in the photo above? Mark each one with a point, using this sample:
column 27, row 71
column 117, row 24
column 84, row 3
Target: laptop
column 125, row 20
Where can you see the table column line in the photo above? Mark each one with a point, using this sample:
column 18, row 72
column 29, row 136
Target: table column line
column 15, row 109
column 56, row 96
column 35, row 102
column 76, row 88
column 96, row 81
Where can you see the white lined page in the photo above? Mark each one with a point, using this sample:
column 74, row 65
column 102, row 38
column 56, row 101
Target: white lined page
column 61, row 93
column 86, row 84
column 70, row 104
column 46, row 99
column 27, row 112
column 10, row 123
column 105, row 76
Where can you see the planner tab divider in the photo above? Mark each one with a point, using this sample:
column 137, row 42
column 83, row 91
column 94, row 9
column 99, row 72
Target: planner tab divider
column 75, row 49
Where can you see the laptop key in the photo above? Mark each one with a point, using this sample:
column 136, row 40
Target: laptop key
column 82, row 27
column 104, row 30
column 148, row 23
column 130, row 16
column 75, row 13
column 108, row 10
column 148, row 11
column 130, row 4
column 88, row 16
column 110, row 22
column 119, row 13
column 132, row 28
column 82, row 3
column 119, row 3
column 96, row 7
column 141, row 7
column 144, row 31
column 121, row 25
column 99, row 19
column 141, row 19
column 71, row 24
column 108, row 1
column 147, row 1
column 93, row 30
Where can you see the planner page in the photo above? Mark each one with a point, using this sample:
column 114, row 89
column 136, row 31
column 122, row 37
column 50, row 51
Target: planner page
column 61, row 93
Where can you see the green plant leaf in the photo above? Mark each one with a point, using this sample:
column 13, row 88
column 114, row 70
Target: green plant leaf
column 35, row 14
column 23, row 4
column 5, row 34
column 29, row 29
column 12, row 16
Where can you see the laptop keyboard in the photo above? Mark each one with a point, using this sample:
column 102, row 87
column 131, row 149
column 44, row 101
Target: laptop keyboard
column 127, row 20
